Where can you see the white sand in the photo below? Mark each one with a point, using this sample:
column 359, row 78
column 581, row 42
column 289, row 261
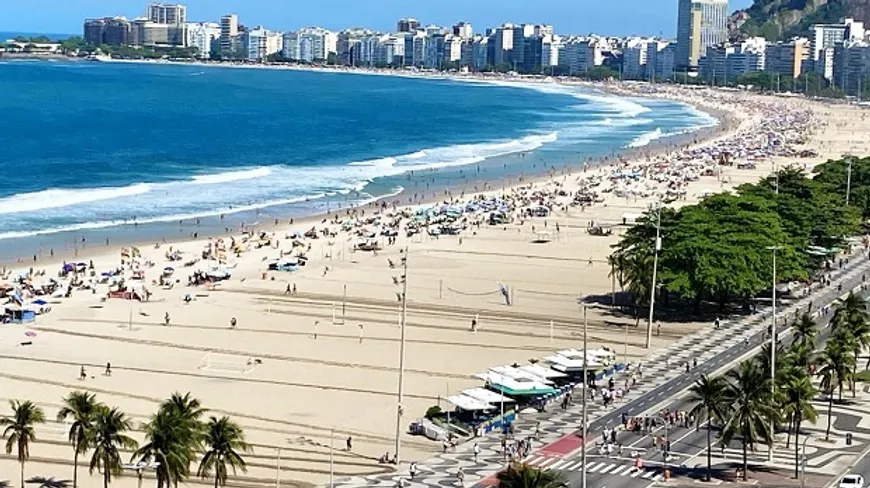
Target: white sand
column 307, row 387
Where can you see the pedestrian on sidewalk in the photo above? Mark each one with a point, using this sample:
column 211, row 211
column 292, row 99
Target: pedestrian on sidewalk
column 476, row 450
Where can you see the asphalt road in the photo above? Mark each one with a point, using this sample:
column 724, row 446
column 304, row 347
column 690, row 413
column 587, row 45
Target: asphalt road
column 688, row 445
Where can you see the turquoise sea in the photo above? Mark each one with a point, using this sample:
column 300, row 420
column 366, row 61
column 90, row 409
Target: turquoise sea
column 135, row 152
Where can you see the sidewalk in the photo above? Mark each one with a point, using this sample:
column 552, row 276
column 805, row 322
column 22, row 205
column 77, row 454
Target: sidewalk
column 652, row 388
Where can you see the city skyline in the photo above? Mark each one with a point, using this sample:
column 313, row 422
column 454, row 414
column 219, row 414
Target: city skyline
column 648, row 17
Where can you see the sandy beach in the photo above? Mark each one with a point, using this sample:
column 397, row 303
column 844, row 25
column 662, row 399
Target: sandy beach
column 302, row 370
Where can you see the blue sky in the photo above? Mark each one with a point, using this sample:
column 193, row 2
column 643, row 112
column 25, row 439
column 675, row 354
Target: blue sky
column 613, row 17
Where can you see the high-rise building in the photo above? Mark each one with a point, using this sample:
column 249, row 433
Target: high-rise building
column 551, row 45
column 479, row 53
column 661, row 60
column 111, row 31
column 261, row 43
column 170, row 14
column 635, row 53
column 825, row 37
column 504, row 45
column 407, row 25
column 205, row 37
column 851, row 66
column 726, row 62
column 788, row 58
column 463, row 30
column 581, row 54
column 700, row 24
column 229, row 31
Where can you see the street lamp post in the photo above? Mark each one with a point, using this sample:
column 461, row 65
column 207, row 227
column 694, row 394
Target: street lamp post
column 585, row 394
column 652, row 291
column 402, row 355
column 773, row 351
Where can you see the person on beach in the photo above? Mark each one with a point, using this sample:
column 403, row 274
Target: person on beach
column 233, row 323
column 349, row 443
column 166, row 319
column 108, row 369
column 82, row 374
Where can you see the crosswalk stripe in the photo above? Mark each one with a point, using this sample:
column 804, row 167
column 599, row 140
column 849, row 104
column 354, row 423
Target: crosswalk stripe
column 592, row 467
column 622, row 469
column 533, row 460
column 574, row 466
column 657, row 477
column 607, row 468
column 636, row 473
column 648, row 475
column 557, row 465
column 529, row 458
column 546, row 462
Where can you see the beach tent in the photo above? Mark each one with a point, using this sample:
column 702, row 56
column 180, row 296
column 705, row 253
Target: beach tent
column 18, row 315
column 468, row 403
column 487, row 396
column 542, row 371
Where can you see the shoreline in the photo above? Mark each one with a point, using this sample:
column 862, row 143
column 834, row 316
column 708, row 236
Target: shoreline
column 662, row 146
column 344, row 379
column 725, row 122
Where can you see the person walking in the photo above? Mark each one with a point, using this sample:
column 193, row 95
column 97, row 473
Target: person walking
column 476, row 450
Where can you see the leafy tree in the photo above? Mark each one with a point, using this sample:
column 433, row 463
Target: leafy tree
column 109, row 437
column 80, row 407
column 750, row 408
column 524, row 476
column 19, row 429
column 707, row 396
column 224, row 441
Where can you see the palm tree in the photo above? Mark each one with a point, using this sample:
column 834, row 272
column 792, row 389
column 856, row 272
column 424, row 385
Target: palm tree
column 804, row 342
column 109, row 436
column 81, row 408
column 751, row 408
column 798, row 406
column 835, row 368
column 19, row 431
column 174, row 436
column 706, row 394
column 223, row 441
column 804, row 331
column 172, row 443
column 519, row 475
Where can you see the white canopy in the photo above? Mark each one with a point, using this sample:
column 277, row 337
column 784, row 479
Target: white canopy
column 542, row 371
column 468, row 403
column 519, row 374
column 487, row 396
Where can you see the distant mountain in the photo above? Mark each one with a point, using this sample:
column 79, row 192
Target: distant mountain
column 784, row 19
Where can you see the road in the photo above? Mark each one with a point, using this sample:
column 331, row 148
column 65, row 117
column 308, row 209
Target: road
column 688, row 445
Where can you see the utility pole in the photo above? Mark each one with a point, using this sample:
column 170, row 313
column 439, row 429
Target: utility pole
column 402, row 355
column 773, row 352
column 585, row 394
column 652, row 291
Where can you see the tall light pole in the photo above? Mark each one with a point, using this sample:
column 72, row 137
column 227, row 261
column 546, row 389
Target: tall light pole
column 652, row 290
column 773, row 351
column 402, row 355
column 585, row 394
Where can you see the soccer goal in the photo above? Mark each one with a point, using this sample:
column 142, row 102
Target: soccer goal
column 225, row 363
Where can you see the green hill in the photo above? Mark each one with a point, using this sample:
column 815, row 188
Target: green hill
column 784, row 19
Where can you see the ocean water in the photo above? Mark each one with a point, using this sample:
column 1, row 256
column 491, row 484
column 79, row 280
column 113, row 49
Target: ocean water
column 132, row 151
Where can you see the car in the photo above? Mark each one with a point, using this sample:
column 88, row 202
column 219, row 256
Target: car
column 852, row 481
